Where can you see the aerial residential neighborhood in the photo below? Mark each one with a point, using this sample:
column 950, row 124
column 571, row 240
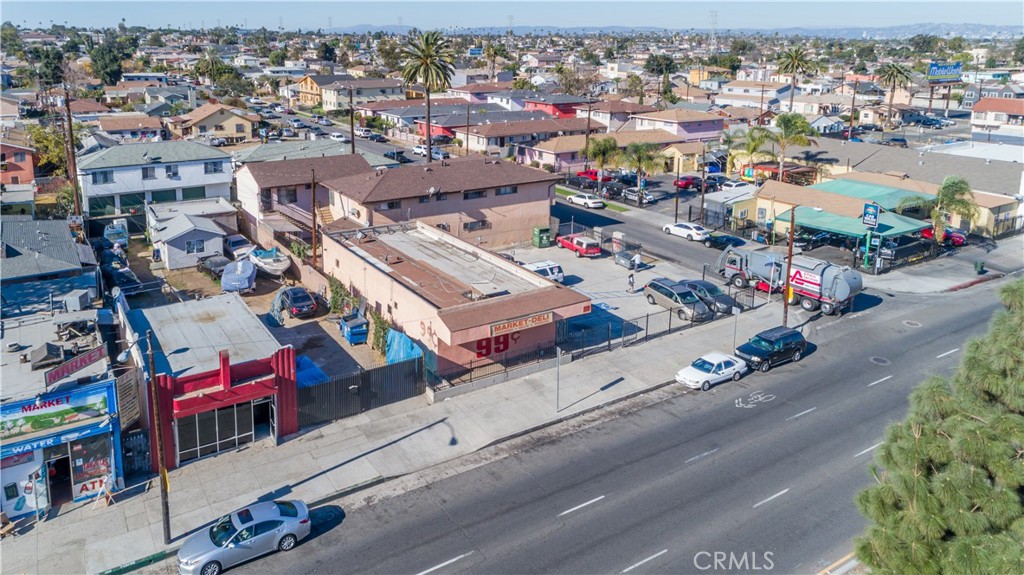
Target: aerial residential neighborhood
column 432, row 288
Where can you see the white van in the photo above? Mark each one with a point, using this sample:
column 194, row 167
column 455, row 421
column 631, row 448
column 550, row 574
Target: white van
column 363, row 132
column 547, row 269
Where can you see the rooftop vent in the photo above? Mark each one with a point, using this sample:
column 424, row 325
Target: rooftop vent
column 46, row 355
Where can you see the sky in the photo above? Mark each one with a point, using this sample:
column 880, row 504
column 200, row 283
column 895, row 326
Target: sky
column 429, row 14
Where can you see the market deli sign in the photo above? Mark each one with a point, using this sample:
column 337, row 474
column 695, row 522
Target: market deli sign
column 521, row 323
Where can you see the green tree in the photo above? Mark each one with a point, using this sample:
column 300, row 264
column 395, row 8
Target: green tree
column 522, row 84
column 795, row 62
column 609, row 53
column 106, row 63
column 493, row 51
column 429, row 60
column 866, row 53
column 601, row 151
column 750, row 147
column 389, row 51
column 924, row 43
column 741, row 46
column 634, row 88
column 155, row 39
column 9, row 38
column 956, row 44
column 1018, row 51
column 990, row 62
column 326, row 52
column 949, row 481
column 644, row 159
column 49, row 144
column 954, row 196
column 277, row 57
column 893, row 76
column 793, row 130
column 661, row 65
column 51, row 67
column 590, row 57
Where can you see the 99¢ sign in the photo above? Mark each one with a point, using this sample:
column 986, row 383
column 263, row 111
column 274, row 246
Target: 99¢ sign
column 499, row 344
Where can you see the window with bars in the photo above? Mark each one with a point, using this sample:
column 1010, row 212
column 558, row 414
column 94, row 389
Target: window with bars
column 477, row 225
column 195, row 246
column 213, row 167
column 476, row 194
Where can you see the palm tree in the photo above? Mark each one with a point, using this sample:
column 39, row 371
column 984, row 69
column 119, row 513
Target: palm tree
column 729, row 141
column 795, row 61
column 750, row 147
column 953, row 197
column 429, row 59
column 601, row 151
column 493, row 51
column 892, row 76
column 794, row 130
column 643, row 159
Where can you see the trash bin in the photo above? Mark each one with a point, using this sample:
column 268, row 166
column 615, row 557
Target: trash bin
column 541, row 237
column 355, row 328
column 979, row 267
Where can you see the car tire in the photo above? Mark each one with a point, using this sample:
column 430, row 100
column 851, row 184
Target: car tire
column 765, row 366
column 211, row 568
column 287, row 543
column 705, row 386
column 827, row 308
column 579, row 255
column 739, row 281
column 650, row 299
column 681, row 315
column 667, row 231
column 707, row 243
column 798, row 355
column 736, row 376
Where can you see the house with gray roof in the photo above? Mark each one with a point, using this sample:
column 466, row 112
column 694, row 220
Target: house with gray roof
column 122, row 179
column 35, row 250
column 185, row 239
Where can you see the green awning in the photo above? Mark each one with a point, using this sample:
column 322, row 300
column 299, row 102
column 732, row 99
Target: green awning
column 884, row 196
column 889, row 224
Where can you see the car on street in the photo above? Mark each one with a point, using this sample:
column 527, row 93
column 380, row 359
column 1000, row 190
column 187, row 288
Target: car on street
column 715, row 181
column 675, row 296
column 592, row 175
column 722, row 241
column 286, row 111
column 772, row 347
column 951, row 237
column 808, row 240
column 439, row 154
column 585, row 200
column 581, row 183
column 932, row 123
column 278, row 108
column 376, row 138
column 325, row 122
column 688, row 182
column 244, row 535
column 399, row 156
column 237, row 246
column 317, row 131
column 692, row 232
column 297, row 123
column 298, row 302
column 363, row 132
column 218, row 142
column 420, row 150
column 735, row 185
column 895, row 142
column 637, row 197
column 441, row 140
column 582, row 246
column 213, row 265
column 287, row 133
column 870, row 128
column 611, row 190
column 339, row 137
column 717, row 300
column 710, row 369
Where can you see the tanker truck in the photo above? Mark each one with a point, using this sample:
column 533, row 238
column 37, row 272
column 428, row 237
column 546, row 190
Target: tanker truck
column 814, row 283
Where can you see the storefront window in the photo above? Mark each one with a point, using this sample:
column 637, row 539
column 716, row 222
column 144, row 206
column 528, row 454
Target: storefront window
column 90, row 465
column 213, row 431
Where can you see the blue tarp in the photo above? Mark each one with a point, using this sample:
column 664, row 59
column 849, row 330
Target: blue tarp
column 307, row 373
column 238, row 276
column 400, row 347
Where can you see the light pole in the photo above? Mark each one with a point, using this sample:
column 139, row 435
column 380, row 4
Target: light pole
column 789, row 267
column 352, row 119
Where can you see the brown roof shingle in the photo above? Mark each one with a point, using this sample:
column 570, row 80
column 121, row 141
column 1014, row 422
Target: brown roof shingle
column 123, row 123
column 277, row 173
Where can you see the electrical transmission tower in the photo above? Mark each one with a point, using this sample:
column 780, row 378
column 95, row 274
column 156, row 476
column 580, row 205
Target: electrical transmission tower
column 713, row 35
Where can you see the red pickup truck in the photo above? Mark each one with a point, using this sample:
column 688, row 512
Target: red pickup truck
column 582, row 245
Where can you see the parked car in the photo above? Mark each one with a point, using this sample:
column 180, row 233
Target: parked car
column 122, row 278
column 547, row 269
column 376, row 138
column 286, row 111
column 712, row 296
column 398, row 155
column 420, row 150
column 441, row 139
column 581, row 245
column 634, row 195
column 213, row 265
column 735, row 185
column 897, row 142
column 675, row 296
column 808, row 240
column 932, row 123
column 629, row 179
column 951, row 237
column 317, row 131
column 592, row 175
column 218, row 142
column 692, row 232
column 711, row 369
column 363, row 132
column 580, row 183
column 298, row 302
column 325, row 122
column 772, row 347
column 722, row 241
column 278, row 108
column 715, row 181
column 287, row 133
column 688, row 182
column 244, row 535
column 611, row 190
column 439, row 154
column 871, row 127
column 339, row 137
column 237, row 246
column 585, row 200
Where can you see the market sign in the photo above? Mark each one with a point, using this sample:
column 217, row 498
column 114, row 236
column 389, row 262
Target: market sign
column 77, row 363
column 521, row 323
column 945, row 73
column 51, row 418
column 870, row 217
column 128, row 408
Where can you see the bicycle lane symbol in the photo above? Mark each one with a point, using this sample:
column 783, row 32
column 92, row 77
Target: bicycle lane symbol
column 753, row 399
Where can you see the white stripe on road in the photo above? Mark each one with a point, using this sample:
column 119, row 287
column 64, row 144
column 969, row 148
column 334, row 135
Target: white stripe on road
column 581, row 506
column 947, row 353
column 801, row 413
column 696, row 457
column 869, row 449
column 445, row 564
column 880, row 381
column 639, row 563
column 783, row 492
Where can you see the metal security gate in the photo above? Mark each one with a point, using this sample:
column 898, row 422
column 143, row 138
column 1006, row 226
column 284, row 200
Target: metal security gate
column 135, row 454
column 341, row 397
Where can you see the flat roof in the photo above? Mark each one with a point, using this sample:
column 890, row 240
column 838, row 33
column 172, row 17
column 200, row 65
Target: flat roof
column 204, row 207
column 189, row 336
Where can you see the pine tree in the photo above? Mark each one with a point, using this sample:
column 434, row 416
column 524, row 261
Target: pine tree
column 949, row 497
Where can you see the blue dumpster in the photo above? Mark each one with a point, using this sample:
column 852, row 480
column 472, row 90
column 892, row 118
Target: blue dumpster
column 355, row 328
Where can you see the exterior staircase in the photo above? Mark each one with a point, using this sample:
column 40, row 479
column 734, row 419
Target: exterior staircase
column 324, row 215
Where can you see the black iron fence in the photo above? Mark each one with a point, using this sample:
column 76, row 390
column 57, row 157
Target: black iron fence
column 487, row 367
column 340, row 397
column 135, row 454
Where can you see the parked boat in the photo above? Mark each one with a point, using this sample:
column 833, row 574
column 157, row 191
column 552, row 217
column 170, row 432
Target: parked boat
column 117, row 233
column 238, row 276
column 270, row 261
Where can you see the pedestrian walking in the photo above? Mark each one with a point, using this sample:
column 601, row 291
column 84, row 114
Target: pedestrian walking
column 631, row 283
column 637, row 261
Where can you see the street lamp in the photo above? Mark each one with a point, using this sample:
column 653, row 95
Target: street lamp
column 156, row 425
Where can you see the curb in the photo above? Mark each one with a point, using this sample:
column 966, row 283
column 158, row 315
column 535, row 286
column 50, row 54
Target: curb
column 981, row 280
column 140, row 563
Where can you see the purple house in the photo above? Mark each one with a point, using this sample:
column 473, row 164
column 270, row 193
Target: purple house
column 692, row 125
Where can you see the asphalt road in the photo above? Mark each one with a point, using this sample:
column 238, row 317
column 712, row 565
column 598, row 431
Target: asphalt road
column 759, row 474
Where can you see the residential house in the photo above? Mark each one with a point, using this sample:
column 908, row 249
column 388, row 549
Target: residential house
column 40, row 250
column 216, row 209
column 998, row 120
column 825, row 124
column 131, row 127
column 122, row 179
column 701, row 73
column 620, row 70
column 183, row 95
column 10, row 112
column 277, row 196
column 158, row 77
column 87, row 110
column 824, row 104
column 713, row 84
column 691, row 125
column 882, row 114
column 247, row 60
column 557, row 105
column 467, row 76
column 407, row 117
column 127, row 91
column 214, row 121
column 866, row 91
column 612, row 115
column 17, row 158
column 488, row 202
column 493, row 137
column 477, row 93
column 447, row 124
column 761, row 95
column 377, row 108
column 513, row 100
column 311, row 87
column 542, row 61
column 974, row 92
column 184, row 239
column 564, row 153
column 338, row 95
column 156, row 109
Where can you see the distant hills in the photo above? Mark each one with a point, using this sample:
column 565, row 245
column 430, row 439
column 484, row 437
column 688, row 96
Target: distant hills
column 880, row 32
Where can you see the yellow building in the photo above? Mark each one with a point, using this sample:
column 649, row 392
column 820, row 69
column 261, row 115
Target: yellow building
column 213, row 121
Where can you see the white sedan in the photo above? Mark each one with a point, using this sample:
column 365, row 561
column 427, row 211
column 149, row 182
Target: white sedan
column 692, row 232
column 586, row 200
column 710, row 369
column 339, row 137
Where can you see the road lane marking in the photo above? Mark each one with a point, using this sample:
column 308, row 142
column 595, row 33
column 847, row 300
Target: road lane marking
column 783, row 492
column 947, row 353
column 696, row 457
column 886, row 378
column 801, row 413
column 869, row 449
column 581, row 506
column 445, row 564
column 639, row 563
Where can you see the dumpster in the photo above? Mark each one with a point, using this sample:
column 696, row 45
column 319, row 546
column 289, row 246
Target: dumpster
column 541, row 237
column 355, row 328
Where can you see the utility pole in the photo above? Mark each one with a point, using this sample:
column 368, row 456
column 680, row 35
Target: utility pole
column 158, row 445
column 677, row 190
column 760, row 107
column 789, row 268
column 71, row 162
column 467, row 130
column 586, row 137
column 853, row 111
column 312, row 172
column 703, row 177
column 352, row 119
